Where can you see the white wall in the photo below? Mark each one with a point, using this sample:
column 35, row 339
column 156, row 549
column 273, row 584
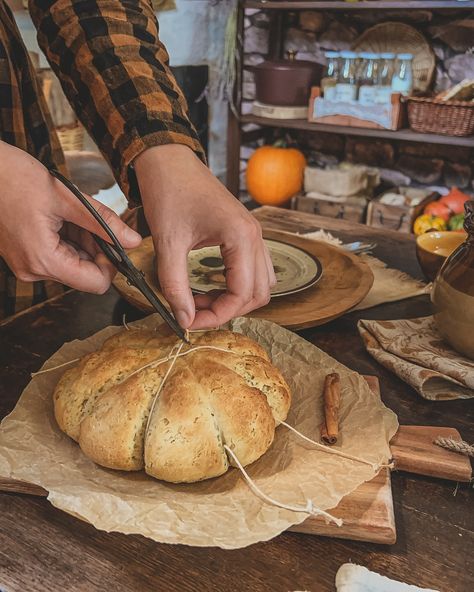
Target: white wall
column 194, row 35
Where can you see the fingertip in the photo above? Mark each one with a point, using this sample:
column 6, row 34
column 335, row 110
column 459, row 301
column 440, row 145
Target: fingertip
column 184, row 318
column 131, row 239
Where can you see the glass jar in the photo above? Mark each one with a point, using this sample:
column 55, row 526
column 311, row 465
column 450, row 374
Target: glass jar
column 367, row 82
column 385, row 73
column 329, row 79
column 452, row 295
column 346, row 87
column 402, row 80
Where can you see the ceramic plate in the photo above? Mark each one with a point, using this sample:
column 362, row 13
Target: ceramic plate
column 295, row 269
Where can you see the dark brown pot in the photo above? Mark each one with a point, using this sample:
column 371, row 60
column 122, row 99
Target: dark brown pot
column 286, row 83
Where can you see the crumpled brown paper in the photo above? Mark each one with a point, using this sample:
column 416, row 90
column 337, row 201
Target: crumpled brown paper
column 220, row 512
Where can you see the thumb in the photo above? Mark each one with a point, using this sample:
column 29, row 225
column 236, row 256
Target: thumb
column 72, row 210
column 172, row 263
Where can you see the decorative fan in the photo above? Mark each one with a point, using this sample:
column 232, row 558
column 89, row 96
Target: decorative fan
column 393, row 37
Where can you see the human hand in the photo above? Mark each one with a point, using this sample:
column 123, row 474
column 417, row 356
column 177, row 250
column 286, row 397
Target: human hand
column 188, row 208
column 45, row 232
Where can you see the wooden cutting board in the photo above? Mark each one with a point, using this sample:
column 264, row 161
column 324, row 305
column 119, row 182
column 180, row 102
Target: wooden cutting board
column 414, row 451
column 367, row 513
column 346, row 280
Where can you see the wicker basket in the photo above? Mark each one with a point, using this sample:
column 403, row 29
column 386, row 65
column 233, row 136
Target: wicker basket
column 396, row 38
column 71, row 137
column 451, row 118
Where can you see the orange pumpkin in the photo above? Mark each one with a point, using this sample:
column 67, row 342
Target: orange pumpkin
column 275, row 174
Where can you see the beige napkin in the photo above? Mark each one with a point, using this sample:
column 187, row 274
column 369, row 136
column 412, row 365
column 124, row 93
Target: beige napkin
column 389, row 284
column 416, row 352
column 356, row 578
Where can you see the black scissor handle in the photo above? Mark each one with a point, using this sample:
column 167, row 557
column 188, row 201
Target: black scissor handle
column 116, row 253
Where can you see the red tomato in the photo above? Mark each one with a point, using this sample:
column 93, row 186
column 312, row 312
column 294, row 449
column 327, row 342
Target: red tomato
column 454, row 200
column 436, row 208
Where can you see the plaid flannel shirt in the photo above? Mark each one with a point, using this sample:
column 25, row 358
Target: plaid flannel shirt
column 114, row 71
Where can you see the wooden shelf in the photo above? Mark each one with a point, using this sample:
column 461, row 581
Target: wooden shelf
column 235, row 133
column 362, row 5
column 403, row 134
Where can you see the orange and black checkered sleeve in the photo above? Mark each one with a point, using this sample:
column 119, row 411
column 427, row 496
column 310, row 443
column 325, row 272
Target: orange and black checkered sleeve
column 115, row 72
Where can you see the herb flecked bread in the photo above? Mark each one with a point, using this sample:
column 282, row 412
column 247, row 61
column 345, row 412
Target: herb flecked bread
column 210, row 398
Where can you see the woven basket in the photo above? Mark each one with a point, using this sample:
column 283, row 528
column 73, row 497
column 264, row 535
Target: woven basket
column 396, row 38
column 71, row 137
column 451, row 118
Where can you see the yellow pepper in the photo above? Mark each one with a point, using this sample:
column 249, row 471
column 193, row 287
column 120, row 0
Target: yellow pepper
column 427, row 222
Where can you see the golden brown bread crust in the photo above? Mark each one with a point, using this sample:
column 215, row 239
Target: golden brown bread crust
column 209, row 399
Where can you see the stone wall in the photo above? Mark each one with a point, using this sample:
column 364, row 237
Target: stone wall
column 313, row 33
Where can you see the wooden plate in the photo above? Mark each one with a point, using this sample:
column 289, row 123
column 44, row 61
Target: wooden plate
column 345, row 282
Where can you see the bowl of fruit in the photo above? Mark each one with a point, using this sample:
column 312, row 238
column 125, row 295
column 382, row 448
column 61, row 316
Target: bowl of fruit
column 439, row 231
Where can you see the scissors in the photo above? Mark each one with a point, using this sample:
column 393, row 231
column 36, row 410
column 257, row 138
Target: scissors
column 116, row 254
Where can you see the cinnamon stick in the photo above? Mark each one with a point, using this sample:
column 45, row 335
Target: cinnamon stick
column 332, row 398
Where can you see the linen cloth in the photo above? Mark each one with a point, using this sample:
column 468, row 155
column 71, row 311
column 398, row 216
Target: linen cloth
column 415, row 351
column 357, row 578
column 389, row 284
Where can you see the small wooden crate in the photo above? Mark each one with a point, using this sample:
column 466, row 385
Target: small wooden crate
column 393, row 217
column 330, row 209
column 390, row 116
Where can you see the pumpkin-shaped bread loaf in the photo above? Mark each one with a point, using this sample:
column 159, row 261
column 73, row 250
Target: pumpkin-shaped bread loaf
column 230, row 395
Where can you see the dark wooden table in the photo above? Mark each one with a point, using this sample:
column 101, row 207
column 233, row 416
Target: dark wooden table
column 43, row 549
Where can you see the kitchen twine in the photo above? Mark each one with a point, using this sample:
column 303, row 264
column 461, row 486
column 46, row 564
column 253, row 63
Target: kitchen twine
column 455, row 445
column 176, row 353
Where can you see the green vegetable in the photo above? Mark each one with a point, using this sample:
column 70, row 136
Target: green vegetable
column 456, row 222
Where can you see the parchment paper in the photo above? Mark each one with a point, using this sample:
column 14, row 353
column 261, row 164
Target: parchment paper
column 220, row 512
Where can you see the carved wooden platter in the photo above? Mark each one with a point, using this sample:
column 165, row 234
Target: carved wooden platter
column 345, row 281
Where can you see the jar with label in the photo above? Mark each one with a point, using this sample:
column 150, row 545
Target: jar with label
column 402, row 80
column 368, row 78
column 384, row 78
column 329, row 80
column 346, row 86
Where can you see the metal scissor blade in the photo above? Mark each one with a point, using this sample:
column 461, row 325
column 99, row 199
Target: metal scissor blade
column 163, row 311
column 136, row 279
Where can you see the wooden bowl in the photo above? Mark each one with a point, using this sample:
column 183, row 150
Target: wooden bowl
column 434, row 247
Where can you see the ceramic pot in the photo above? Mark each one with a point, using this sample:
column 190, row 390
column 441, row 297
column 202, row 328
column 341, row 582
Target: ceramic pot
column 286, row 83
column 453, row 293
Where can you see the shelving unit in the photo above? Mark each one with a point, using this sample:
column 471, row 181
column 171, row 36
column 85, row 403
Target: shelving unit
column 348, row 6
column 237, row 135
column 402, row 134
